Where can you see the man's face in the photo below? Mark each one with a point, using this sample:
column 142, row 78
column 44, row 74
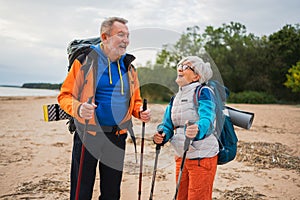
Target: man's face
column 118, row 39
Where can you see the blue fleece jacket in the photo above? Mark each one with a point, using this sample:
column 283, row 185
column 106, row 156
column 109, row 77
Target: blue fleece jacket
column 112, row 93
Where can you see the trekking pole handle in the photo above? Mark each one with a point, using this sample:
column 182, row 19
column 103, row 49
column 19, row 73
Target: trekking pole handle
column 158, row 146
column 89, row 101
column 145, row 104
column 190, row 122
column 188, row 140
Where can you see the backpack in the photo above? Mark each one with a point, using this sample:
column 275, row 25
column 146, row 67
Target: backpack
column 226, row 135
column 78, row 49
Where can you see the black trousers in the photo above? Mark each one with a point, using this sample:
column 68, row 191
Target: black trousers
column 107, row 149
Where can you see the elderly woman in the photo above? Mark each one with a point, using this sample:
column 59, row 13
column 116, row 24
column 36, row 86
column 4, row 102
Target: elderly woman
column 201, row 158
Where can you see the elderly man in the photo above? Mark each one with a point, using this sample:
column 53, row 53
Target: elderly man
column 102, row 93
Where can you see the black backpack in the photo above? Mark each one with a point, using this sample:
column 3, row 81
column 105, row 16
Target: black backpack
column 79, row 49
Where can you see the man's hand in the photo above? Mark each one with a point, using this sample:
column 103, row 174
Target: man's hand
column 145, row 115
column 86, row 110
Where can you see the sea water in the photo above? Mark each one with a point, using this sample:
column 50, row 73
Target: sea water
column 18, row 91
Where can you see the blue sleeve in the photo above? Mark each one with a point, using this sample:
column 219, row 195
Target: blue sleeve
column 206, row 111
column 167, row 124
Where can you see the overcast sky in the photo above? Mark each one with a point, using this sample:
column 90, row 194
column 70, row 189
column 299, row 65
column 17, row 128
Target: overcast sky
column 34, row 34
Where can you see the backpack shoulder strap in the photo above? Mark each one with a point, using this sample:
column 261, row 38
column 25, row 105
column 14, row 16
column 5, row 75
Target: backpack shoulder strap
column 90, row 65
column 171, row 100
column 80, row 55
column 219, row 111
column 197, row 93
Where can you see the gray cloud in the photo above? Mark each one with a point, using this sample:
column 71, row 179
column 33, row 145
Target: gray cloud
column 34, row 34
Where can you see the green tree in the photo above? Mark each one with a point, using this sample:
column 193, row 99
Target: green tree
column 245, row 61
column 283, row 52
column 190, row 43
column 293, row 78
column 228, row 45
column 157, row 83
column 240, row 57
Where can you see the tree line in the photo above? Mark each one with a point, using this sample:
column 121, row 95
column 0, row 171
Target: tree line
column 51, row 86
column 267, row 66
column 255, row 69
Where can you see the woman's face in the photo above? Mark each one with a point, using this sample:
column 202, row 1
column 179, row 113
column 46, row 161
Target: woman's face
column 186, row 74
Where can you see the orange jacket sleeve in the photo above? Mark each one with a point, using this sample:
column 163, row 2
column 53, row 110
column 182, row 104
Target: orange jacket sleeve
column 68, row 95
column 137, row 97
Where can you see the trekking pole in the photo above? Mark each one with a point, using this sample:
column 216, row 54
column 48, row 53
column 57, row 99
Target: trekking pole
column 82, row 155
column 142, row 152
column 158, row 146
column 186, row 148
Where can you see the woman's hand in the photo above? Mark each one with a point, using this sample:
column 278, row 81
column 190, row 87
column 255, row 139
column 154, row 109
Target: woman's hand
column 158, row 138
column 191, row 131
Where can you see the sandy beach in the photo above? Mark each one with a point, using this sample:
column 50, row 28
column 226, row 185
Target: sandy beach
column 35, row 156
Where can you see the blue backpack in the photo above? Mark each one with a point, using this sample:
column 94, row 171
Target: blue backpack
column 225, row 131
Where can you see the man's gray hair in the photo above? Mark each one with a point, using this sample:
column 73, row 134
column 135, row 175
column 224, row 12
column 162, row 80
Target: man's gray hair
column 107, row 24
column 200, row 67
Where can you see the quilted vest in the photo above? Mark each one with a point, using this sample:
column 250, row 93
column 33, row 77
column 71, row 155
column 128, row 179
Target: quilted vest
column 184, row 109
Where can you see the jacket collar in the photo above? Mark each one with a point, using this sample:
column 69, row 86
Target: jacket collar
column 189, row 87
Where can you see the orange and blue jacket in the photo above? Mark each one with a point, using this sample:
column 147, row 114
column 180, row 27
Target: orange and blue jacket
column 80, row 85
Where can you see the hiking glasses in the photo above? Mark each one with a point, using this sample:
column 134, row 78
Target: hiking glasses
column 184, row 67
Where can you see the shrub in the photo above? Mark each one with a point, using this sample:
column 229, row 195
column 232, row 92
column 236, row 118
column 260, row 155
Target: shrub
column 251, row 97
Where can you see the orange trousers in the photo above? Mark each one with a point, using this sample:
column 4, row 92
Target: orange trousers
column 197, row 178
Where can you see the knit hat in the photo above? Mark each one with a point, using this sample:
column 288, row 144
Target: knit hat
column 200, row 67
